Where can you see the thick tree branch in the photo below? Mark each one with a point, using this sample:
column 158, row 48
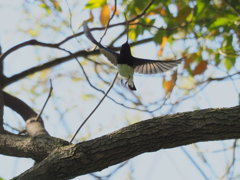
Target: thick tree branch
column 17, row 105
column 33, row 127
column 146, row 136
column 37, row 148
column 1, row 95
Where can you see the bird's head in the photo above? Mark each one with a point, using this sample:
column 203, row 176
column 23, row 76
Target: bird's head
column 125, row 49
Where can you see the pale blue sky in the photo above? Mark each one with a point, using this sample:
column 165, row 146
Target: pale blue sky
column 164, row 164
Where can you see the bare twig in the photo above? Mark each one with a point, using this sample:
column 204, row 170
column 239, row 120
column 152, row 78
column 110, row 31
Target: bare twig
column 45, row 103
column 105, row 95
column 233, row 7
column 231, row 166
column 116, row 38
column 194, row 163
column 27, row 43
column 111, row 173
column 219, row 78
column 114, row 11
column 57, row 45
column 205, row 160
column 143, row 12
column 110, row 26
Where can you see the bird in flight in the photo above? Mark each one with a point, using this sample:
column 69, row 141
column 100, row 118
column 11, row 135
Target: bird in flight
column 127, row 64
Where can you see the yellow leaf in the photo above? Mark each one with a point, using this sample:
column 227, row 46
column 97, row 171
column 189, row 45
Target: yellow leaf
column 132, row 35
column 91, row 4
column 200, row 68
column 169, row 85
column 162, row 45
column 104, row 15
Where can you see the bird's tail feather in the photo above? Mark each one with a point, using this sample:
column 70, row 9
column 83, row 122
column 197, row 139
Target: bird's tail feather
column 89, row 35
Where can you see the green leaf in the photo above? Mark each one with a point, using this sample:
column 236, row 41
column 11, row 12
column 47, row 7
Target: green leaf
column 95, row 4
column 200, row 7
column 159, row 35
column 217, row 59
column 227, row 43
column 132, row 34
column 222, row 21
column 229, row 63
column 139, row 30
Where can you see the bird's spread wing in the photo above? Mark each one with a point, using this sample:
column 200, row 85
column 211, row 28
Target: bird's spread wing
column 110, row 54
column 144, row 66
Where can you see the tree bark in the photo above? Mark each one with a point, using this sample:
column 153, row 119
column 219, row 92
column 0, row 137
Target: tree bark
column 1, row 94
column 169, row 131
column 37, row 148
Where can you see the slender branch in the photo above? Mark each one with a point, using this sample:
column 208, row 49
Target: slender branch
column 231, row 165
column 117, row 38
column 58, row 61
column 61, row 60
column 234, row 7
column 105, row 32
column 105, row 95
column 143, row 12
column 45, row 103
column 194, row 163
column 110, row 26
column 47, row 65
column 111, row 173
column 218, row 78
column 57, row 45
column 27, row 43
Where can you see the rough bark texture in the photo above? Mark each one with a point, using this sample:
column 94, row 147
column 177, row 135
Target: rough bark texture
column 37, row 148
column 169, row 131
column 1, row 95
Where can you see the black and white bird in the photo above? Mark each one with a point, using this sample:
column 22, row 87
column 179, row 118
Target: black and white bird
column 127, row 64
